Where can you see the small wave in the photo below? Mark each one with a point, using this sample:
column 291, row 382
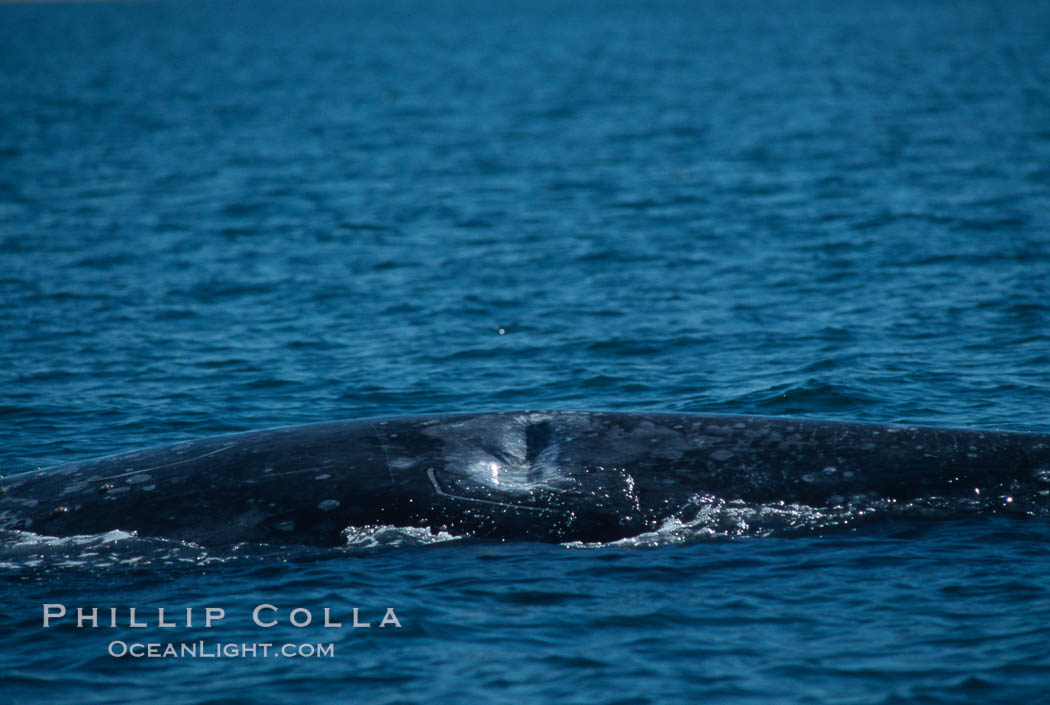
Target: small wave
column 26, row 553
column 385, row 536
column 716, row 518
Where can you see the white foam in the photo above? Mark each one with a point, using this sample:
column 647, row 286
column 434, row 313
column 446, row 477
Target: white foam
column 391, row 536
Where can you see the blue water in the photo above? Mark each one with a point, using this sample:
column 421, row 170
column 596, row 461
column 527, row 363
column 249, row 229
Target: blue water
column 223, row 216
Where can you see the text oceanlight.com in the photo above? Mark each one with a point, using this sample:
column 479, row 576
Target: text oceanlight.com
column 202, row 649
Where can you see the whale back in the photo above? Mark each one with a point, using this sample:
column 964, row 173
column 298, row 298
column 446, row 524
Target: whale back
column 534, row 475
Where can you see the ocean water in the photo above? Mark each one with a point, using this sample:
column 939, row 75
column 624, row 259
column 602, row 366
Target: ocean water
column 224, row 216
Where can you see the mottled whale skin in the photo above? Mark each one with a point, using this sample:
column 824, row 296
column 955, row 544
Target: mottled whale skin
column 526, row 475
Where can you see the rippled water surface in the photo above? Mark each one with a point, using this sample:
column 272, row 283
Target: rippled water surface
column 223, row 216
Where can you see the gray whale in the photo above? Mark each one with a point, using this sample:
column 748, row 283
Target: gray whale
column 525, row 475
